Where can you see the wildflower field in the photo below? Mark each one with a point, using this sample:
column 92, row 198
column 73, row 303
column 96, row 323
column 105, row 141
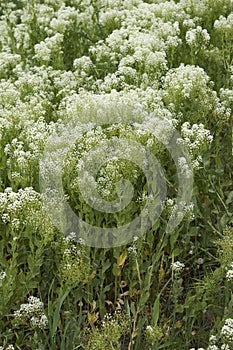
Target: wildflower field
column 116, row 174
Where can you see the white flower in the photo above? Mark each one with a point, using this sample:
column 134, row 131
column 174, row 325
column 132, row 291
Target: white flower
column 224, row 24
column 31, row 312
column 9, row 347
column 71, row 236
column 227, row 329
column 177, row 266
column 197, row 37
column 200, row 261
column 212, row 339
column 132, row 250
column 2, row 276
column 149, row 329
column 212, row 347
column 15, row 223
column 184, row 167
column 229, row 275
column 6, row 218
column 225, row 347
column 42, row 52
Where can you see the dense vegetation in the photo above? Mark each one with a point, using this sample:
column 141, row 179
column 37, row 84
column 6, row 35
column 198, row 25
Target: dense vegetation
column 128, row 72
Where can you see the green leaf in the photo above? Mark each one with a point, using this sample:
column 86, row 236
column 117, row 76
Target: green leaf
column 155, row 311
column 229, row 198
column 56, row 316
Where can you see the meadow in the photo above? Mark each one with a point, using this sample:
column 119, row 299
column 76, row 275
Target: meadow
column 116, row 166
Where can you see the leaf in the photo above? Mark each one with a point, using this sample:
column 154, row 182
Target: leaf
column 135, row 333
column 93, row 305
column 177, row 251
column 121, row 259
column 92, row 318
column 161, row 274
column 116, row 270
column 106, row 266
column 155, row 311
column 133, row 310
column 92, row 275
column 143, row 299
column 180, row 308
column 56, row 316
column 229, row 198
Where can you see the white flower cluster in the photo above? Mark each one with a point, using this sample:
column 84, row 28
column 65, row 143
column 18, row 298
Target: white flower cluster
column 51, row 46
column 231, row 71
column 65, row 18
column 187, row 90
column 184, row 168
column 224, row 25
column 31, row 314
column 227, row 330
column 8, row 61
column 183, row 211
column 74, row 263
column 15, row 207
column 177, row 266
column 197, row 38
column 132, row 250
column 229, row 274
column 23, row 153
column 225, row 347
column 2, row 276
column 171, row 11
column 43, row 14
column 214, row 347
column 153, row 334
column 138, row 50
column 196, row 139
column 226, row 96
column 190, row 23
column 9, row 347
column 225, row 339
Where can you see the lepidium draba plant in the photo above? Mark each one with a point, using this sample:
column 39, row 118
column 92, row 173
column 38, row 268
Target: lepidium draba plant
column 94, row 60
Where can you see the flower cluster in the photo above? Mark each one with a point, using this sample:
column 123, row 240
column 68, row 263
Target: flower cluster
column 48, row 49
column 188, row 91
column 31, row 314
column 153, row 334
column 224, row 25
column 74, row 265
column 111, row 329
column 196, row 140
column 229, row 274
column 197, row 38
column 177, row 266
column 227, row 330
column 132, row 251
column 2, row 276
column 9, row 347
column 225, row 339
column 16, row 207
column 181, row 209
column 23, row 152
column 227, row 96
column 8, row 62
